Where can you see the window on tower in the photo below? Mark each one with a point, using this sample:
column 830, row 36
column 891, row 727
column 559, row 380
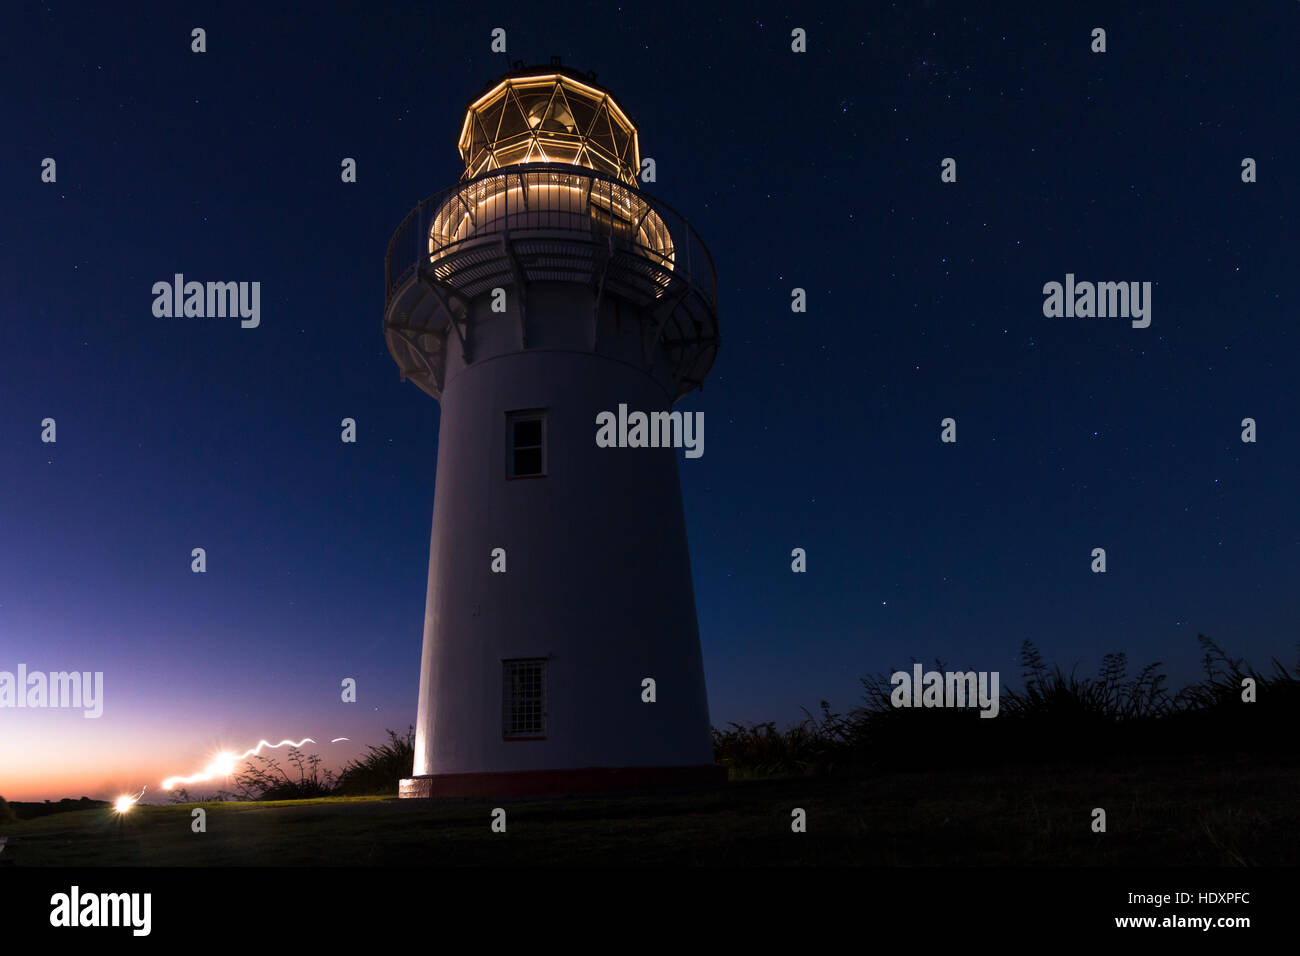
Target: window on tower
column 526, row 444
column 523, row 698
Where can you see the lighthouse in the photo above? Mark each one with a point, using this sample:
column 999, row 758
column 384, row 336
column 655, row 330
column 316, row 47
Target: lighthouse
column 540, row 295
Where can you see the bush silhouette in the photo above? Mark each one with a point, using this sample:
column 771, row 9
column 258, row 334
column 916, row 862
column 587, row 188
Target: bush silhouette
column 1056, row 716
column 267, row 780
column 380, row 770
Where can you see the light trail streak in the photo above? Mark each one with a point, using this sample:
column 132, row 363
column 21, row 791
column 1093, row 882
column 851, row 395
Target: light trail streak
column 223, row 764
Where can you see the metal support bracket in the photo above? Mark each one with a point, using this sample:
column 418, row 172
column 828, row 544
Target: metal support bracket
column 600, row 269
column 661, row 316
column 453, row 307
column 521, row 284
column 408, row 336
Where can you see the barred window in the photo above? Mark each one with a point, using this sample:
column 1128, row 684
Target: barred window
column 523, row 713
column 525, row 444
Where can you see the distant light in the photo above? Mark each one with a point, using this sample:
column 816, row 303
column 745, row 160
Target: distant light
column 124, row 804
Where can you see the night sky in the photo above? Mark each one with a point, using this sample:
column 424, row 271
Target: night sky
column 818, row 170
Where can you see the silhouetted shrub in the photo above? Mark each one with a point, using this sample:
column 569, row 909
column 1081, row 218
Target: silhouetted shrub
column 1055, row 717
column 380, row 770
column 265, row 779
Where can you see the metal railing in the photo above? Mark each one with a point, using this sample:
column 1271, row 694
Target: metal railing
column 555, row 200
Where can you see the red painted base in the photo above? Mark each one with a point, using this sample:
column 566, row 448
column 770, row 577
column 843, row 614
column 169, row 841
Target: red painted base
column 585, row 779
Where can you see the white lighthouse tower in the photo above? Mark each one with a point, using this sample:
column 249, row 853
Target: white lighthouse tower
column 561, row 647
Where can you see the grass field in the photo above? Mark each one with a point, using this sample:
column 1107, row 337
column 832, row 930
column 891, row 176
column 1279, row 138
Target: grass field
column 1185, row 812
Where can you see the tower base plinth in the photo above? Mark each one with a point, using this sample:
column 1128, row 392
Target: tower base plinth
column 555, row 782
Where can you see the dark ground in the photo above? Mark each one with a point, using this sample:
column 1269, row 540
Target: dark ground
column 1189, row 812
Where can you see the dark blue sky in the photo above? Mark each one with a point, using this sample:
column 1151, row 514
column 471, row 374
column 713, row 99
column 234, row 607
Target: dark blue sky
column 818, row 170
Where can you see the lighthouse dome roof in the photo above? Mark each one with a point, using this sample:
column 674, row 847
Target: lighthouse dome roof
column 548, row 114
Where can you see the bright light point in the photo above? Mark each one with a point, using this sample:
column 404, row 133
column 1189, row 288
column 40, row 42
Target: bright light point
column 224, row 765
column 124, row 804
